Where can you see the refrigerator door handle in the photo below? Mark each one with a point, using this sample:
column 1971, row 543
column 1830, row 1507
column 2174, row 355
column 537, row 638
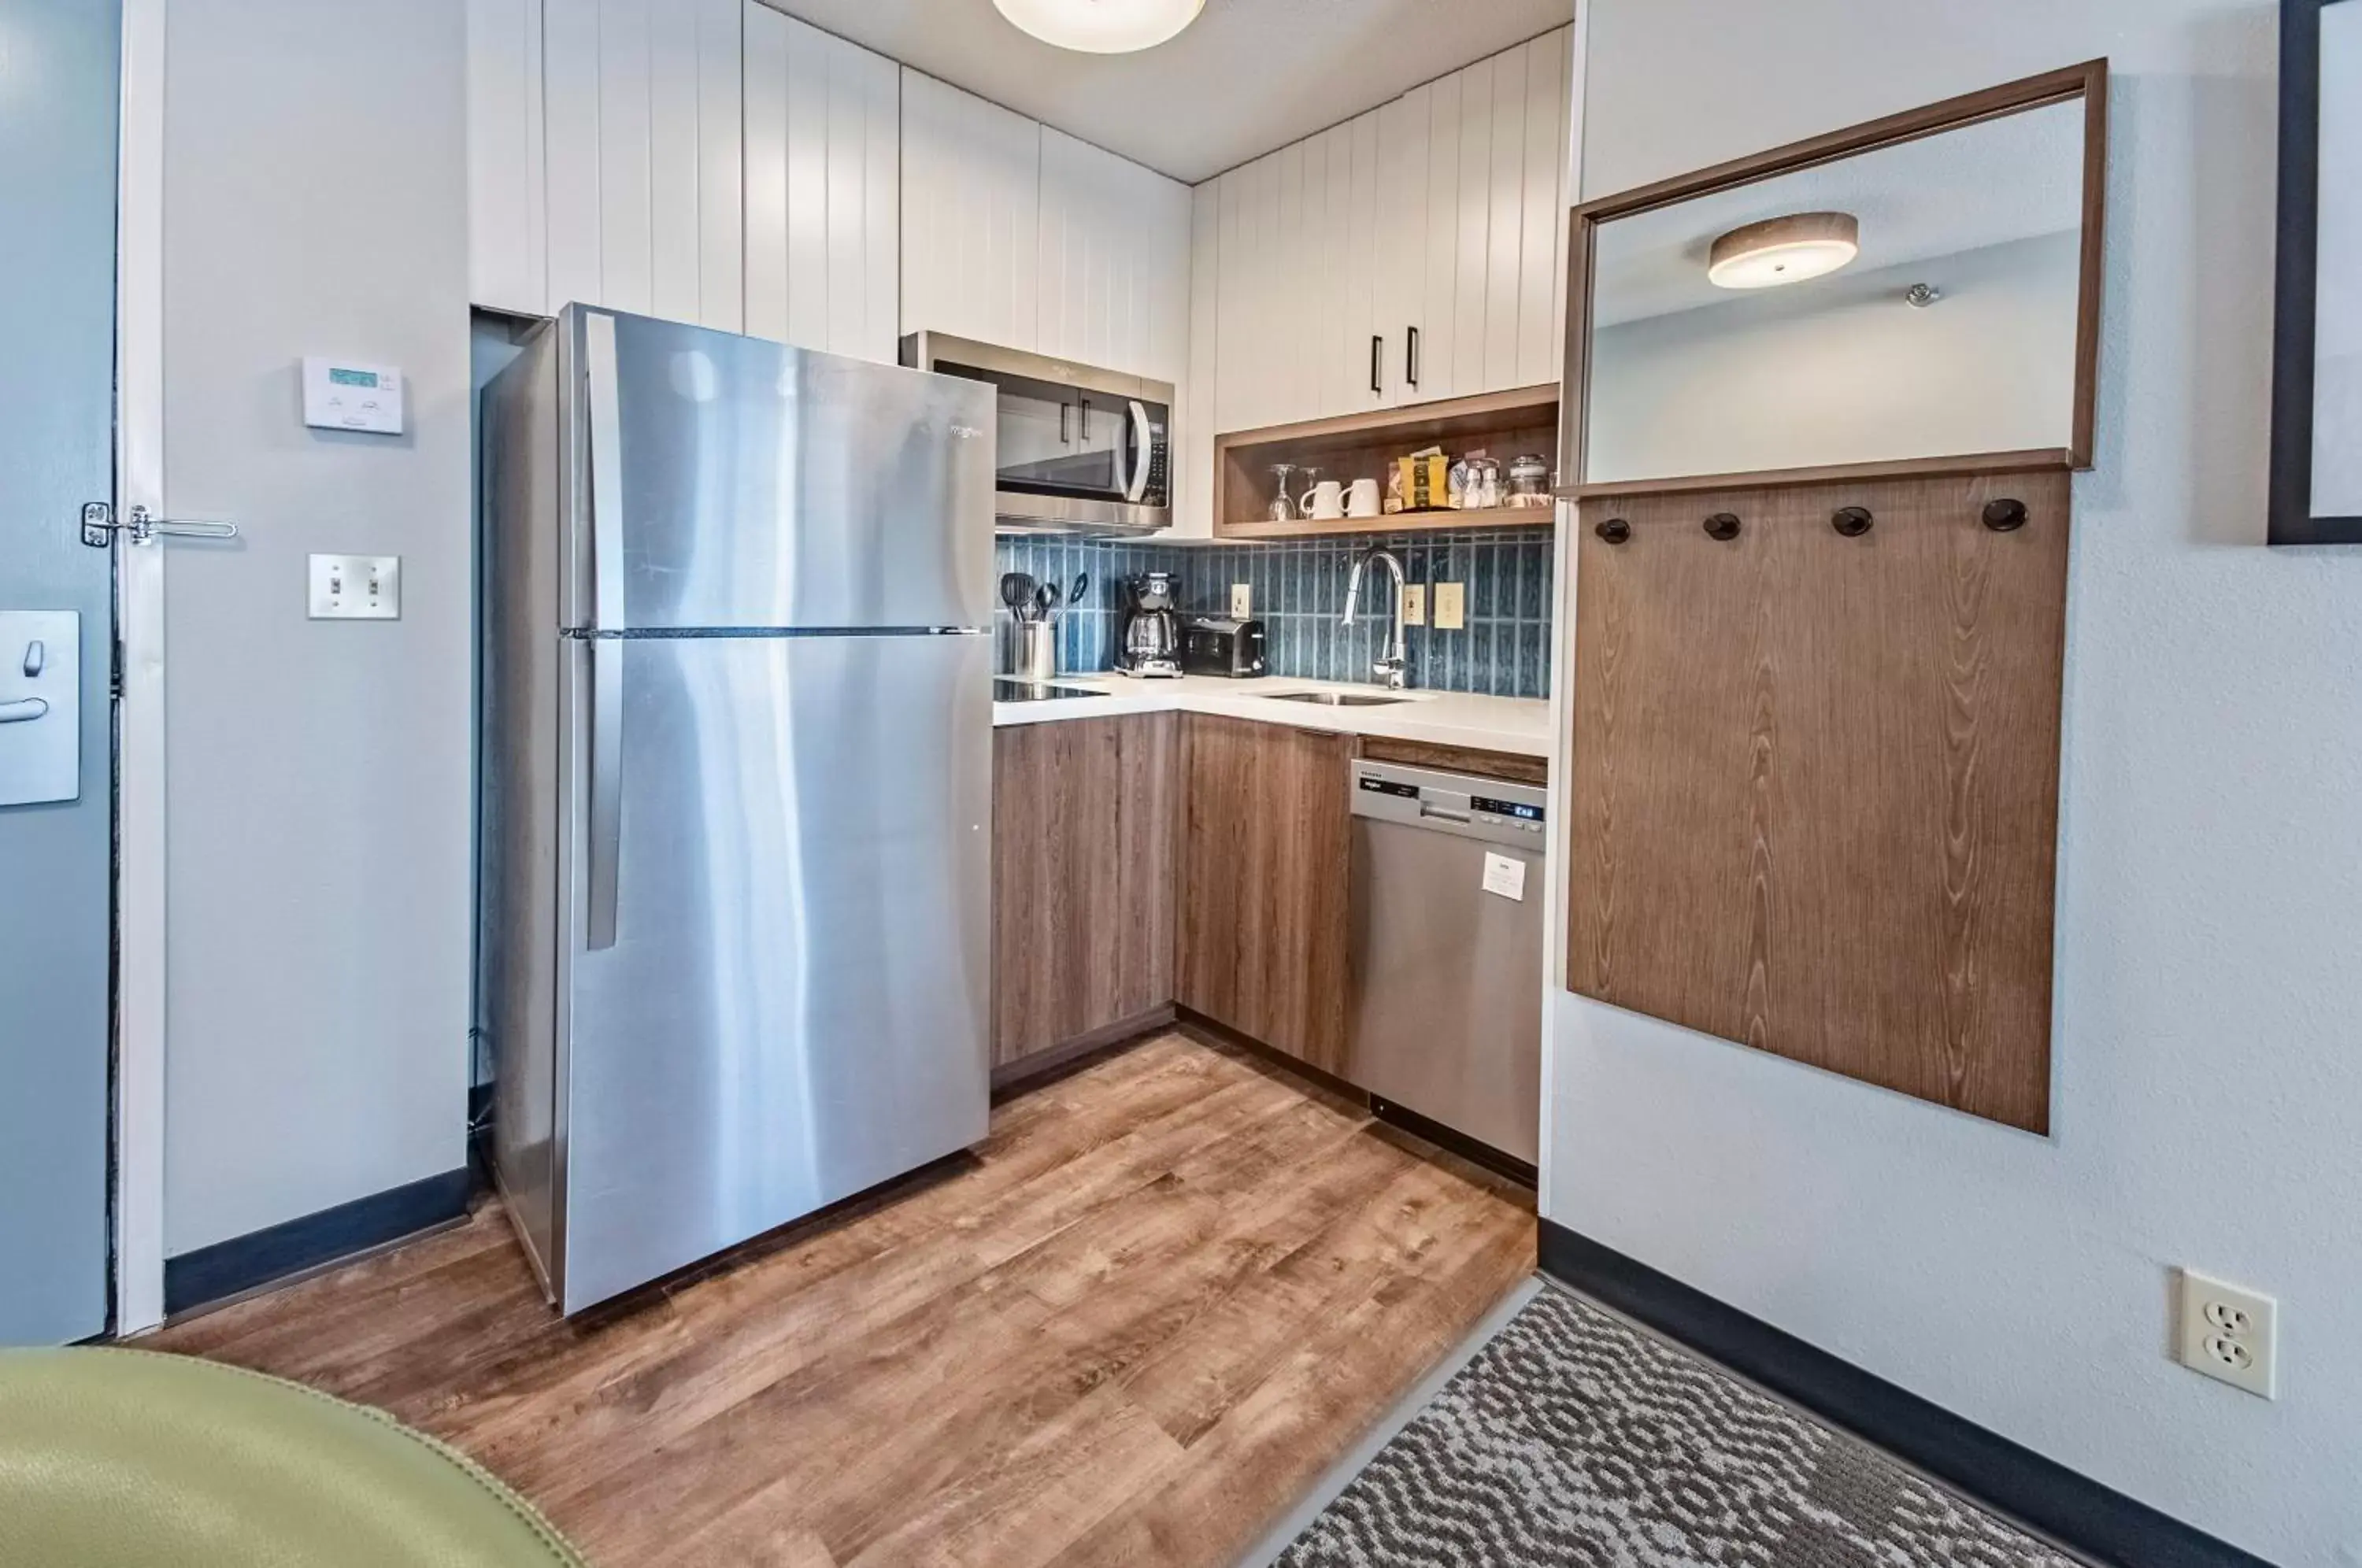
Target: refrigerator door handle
column 606, row 805
column 606, row 474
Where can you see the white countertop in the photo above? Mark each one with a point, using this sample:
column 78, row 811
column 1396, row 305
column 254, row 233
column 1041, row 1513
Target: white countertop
column 1515, row 724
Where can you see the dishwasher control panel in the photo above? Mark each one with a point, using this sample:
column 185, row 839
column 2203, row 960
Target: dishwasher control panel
column 1466, row 805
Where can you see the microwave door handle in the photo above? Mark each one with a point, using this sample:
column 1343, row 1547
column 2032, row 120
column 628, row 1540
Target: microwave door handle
column 1144, row 437
column 1116, row 456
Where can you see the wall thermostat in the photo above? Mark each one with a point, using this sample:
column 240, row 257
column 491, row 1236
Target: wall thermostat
column 341, row 395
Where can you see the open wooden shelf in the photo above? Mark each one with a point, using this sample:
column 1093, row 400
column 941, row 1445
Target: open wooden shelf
column 1397, row 522
column 1504, row 425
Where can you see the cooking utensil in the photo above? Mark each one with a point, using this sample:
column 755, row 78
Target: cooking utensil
column 1017, row 592
column 1074, row 594
column 1046, row 601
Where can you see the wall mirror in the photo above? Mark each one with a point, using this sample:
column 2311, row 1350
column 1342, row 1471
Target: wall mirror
column 1918, row 291
column 2317, row 349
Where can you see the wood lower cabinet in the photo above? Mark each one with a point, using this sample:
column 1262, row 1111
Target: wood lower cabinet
column 1265, row 852
column 1082, row 824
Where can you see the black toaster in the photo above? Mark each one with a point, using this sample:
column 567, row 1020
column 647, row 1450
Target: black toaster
column 1213, row 645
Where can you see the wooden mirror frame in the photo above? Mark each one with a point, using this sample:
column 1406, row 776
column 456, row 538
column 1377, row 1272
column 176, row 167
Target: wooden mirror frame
column 2295, row 324
column 2088, row 82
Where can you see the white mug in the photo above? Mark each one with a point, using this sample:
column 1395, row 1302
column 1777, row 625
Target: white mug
column 1324, row 501
column 1361, row 500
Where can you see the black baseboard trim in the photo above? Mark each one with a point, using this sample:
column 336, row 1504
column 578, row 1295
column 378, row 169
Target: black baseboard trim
column 298, row 1246
column 1062, row 1060
column 2073, row 1508
column 1475, row 1151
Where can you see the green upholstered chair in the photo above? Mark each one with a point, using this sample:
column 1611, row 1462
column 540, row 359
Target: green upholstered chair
column 114, row 1458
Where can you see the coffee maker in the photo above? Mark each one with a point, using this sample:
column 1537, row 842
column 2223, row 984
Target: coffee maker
column 1151, row 643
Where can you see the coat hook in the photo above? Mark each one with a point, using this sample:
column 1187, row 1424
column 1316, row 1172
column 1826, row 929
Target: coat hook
column 1615, row 530
column 1723, row 526
column 2001, row 516
column 1853, row 522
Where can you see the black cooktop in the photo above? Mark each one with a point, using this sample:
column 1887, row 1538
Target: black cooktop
column 1007, row 690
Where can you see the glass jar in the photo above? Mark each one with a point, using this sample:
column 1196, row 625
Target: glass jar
column 1528, row 481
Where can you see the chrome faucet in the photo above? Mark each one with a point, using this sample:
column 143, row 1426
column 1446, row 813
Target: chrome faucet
column 1388, row 666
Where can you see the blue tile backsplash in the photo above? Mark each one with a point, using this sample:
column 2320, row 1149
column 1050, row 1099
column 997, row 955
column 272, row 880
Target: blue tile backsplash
column 1298, row 589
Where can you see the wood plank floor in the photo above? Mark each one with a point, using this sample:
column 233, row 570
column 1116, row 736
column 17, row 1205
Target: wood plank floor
column 1164, row 1296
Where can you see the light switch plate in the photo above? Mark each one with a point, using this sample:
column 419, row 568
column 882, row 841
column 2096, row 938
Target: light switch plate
column 343, row 395
column 356, row 587
column 41, row 706
column 1241, row 601
column 1414, row 604
column 1448, row 606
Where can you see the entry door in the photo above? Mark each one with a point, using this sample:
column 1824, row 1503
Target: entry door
column 57, row 385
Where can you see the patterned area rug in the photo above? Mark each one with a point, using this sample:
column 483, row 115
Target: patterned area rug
column 1573, row 1440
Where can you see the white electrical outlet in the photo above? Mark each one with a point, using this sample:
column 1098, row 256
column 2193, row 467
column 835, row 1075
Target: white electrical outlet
column 1449, row 602
column 2230, row 1333
column 1241, row 601
column 356, row 587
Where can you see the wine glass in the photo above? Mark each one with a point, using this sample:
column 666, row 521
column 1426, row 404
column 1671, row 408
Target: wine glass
column 1283, row 500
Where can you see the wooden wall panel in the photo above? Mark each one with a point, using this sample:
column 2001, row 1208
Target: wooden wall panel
column 1265, row 854
column 1084, row 817
column 1815, row 782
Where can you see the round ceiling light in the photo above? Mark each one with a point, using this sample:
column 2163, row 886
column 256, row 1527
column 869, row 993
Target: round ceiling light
column 1783, row 250
column 1101, row 27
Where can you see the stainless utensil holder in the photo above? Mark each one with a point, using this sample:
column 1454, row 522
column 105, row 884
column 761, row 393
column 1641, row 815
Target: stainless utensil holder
column 1037, row 650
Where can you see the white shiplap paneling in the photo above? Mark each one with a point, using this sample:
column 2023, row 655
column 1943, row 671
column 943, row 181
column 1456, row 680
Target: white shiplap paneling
column 570, row 143
column 1193, row 475
column 640, row 156
column 1542, row 269
column 823, row 190
column 971, row 213
column 1113, row 253
column 1404, row 129
column 508, row 257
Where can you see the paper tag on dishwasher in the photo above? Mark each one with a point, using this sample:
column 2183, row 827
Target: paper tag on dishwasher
column 1504, row 875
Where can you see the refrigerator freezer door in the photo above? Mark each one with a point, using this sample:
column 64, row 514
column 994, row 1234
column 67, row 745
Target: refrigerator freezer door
column 795, row 1004
column 756, row 485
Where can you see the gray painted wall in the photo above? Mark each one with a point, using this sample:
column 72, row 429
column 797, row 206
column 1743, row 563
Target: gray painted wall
column 2207, row 1089
column 57, row 73
column 319, row 889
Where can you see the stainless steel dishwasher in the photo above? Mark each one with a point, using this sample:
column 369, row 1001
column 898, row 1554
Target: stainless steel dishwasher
column 1447, row 950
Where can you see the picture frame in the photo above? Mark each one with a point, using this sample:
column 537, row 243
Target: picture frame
column 2314, row 501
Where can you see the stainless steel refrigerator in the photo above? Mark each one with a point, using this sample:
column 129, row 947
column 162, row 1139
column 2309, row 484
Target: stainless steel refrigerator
column 735, row 936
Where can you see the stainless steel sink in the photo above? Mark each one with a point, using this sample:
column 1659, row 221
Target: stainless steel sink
column 1338, row 699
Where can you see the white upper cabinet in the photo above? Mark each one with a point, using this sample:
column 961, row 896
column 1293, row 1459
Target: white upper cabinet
column 1415, row 253
column 508, row 253
column 641, row 157
column 971, row 216
column 703, row 160
column 823, row 189
column 1194, row 421
column 1112, row 261
column 1019, row 235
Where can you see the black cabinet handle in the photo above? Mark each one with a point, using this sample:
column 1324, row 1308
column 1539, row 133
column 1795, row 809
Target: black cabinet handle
column 1615, row 530
column 1410, row 356
column 1377, row 359
column 1853, row 522
column 1722, row 525
column 2003, row 516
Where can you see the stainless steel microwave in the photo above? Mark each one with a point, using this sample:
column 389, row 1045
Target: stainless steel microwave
column 1081, row 450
